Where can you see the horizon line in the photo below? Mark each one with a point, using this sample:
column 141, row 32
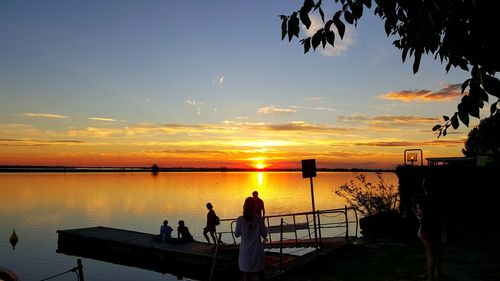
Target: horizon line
column 60, row 168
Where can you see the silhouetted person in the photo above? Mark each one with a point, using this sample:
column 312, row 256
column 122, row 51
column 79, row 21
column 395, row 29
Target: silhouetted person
column 183, row 233
column 166, row 231
column 259, row 205
column 429, row 232
column 211, row 223
column 250, row 227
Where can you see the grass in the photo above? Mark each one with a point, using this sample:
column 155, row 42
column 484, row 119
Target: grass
column 386, row 260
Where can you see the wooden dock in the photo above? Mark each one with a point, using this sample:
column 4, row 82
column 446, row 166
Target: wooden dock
column 144, row 250
column 193, row 259
column 291, row 245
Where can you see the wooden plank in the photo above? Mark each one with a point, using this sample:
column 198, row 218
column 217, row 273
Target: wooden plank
column 143, row 250
column 287, row 227
column 192, row 260
column 138, row 239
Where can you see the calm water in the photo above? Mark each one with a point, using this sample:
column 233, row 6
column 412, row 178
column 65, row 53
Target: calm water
column 37, row 205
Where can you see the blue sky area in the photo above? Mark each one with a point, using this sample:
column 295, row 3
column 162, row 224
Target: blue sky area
column 208, row 83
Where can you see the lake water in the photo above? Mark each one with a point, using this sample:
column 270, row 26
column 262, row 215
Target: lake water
column 36, row 205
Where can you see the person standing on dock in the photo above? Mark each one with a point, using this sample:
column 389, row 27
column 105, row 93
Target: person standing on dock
column 259, row 205
column 211, row 223
column 166, row 231
column 250, row 227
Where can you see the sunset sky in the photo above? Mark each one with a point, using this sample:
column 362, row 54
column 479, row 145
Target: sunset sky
column 209, row 84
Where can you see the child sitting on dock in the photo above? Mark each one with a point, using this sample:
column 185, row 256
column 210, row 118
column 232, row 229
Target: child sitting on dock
column 183, row 233
column 166, row 231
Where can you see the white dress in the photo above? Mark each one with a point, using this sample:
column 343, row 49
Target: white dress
column 251, row 256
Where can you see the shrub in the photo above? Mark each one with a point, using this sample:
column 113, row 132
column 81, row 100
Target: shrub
column 368, row 198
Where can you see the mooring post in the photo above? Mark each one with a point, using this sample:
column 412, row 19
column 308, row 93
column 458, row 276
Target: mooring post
column 215, row 257
column 80, row 270
column 319, row 229
column 281, row 246
column 346, row 224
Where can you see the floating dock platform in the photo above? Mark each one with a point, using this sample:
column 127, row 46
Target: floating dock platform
column 203, row 261
column 193, row 260
column 144, row 250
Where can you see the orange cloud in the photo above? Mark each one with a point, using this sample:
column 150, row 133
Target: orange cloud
column 449, row 92
column 29, row 142
column 290, row 126
column 440, row 142
column 388, row 120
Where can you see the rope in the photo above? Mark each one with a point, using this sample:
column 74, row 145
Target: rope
column 74, row 269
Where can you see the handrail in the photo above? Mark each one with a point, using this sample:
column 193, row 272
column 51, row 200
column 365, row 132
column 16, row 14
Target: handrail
column 326, row 225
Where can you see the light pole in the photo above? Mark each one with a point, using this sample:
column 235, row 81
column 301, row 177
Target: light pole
column 309, row 171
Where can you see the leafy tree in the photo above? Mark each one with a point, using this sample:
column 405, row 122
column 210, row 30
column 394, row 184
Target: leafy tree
column 484, row 139
column 368, row 198
column 460, row 33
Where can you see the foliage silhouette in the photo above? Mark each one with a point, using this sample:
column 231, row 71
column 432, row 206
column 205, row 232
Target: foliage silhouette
column 458, row 33
column 370, row 199
column 484, row 139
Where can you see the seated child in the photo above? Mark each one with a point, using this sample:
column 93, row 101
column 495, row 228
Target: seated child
column 183, row 233
column 166, row 231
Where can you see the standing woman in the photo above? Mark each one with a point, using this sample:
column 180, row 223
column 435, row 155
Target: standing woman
column 252, row 230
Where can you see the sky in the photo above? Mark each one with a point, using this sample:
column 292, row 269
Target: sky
column 210, row 84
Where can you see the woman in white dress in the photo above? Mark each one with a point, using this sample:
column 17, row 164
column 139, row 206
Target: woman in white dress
column 252, row 230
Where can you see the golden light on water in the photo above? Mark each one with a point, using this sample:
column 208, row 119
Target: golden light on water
column 140, row 200
column 260, row 178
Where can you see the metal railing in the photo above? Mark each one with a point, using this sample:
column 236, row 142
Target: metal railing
column 299, row 226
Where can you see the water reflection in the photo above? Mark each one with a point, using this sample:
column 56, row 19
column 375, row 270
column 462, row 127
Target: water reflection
column 37, row 205
column 260, row 178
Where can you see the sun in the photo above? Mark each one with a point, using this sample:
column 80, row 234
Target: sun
column 258, row 163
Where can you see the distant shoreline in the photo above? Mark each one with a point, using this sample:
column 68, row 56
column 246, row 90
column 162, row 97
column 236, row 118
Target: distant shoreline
column 70, row 169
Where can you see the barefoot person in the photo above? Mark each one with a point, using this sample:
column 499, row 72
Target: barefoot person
column 250, row 227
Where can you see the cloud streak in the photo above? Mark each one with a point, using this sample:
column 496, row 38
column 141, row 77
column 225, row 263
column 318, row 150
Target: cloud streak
column 271, row 110
column 447, row 93
column 45, row 115
column 446, row 143
column 102, row 119
column 388, row 120
column 290, row 126
column 314, row 108
column 33, row 142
